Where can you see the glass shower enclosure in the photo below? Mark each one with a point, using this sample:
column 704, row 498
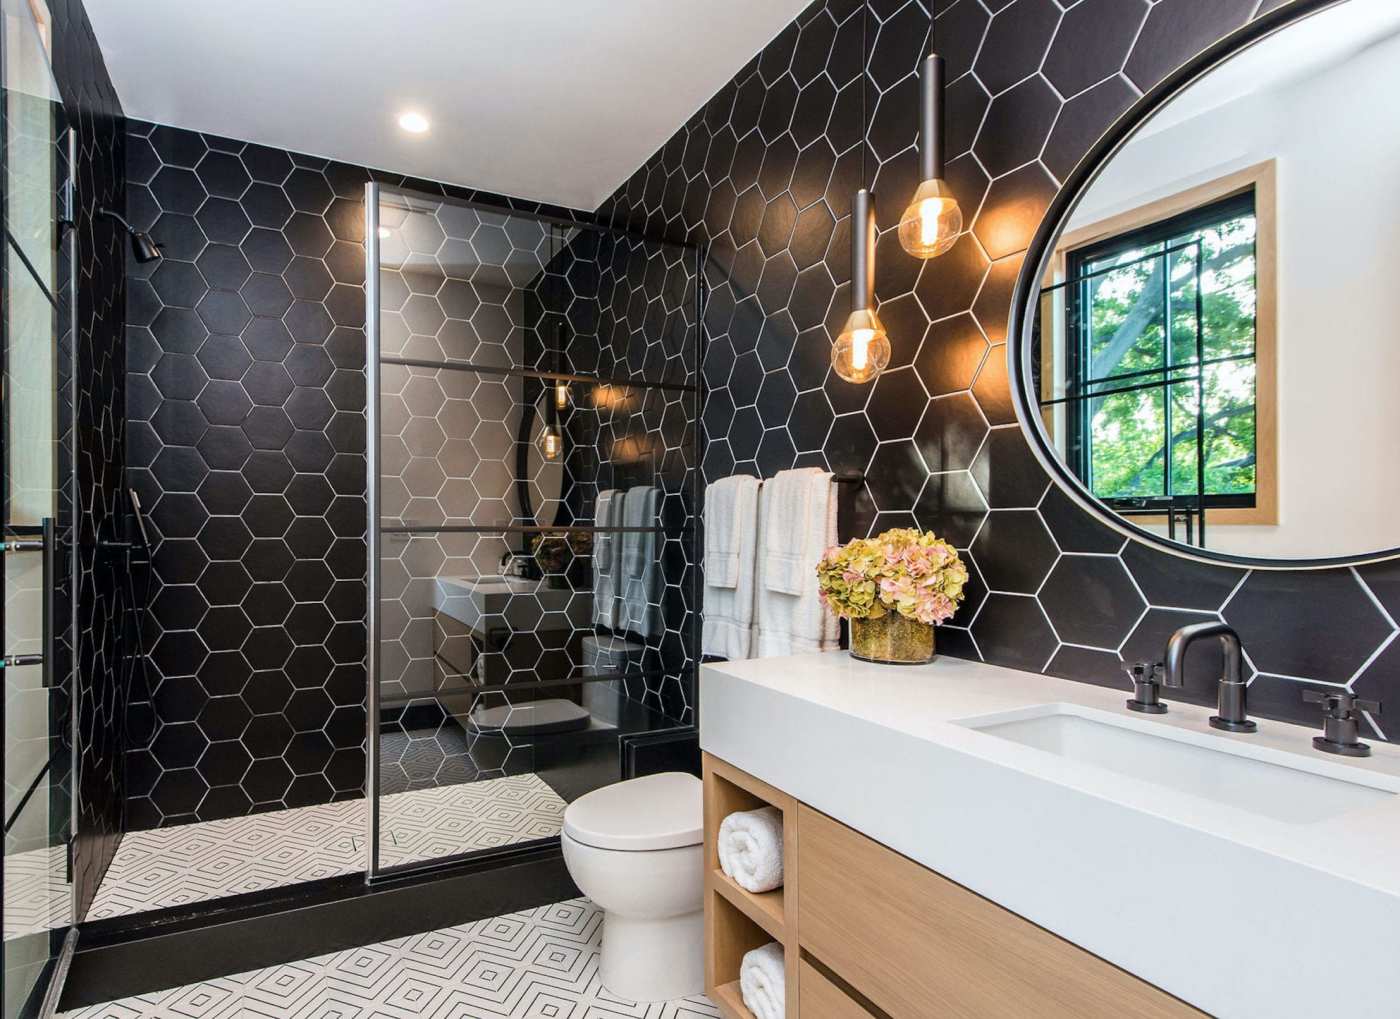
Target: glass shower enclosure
column 35, row 488
column 532, row 447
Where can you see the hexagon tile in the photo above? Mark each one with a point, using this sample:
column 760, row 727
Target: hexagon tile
column 245, row 388
column 245, row 442
column 763, row 175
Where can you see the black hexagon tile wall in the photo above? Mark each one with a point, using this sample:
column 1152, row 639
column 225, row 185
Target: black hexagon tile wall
column 245, row 356
column 265, row 246
column 763, row 175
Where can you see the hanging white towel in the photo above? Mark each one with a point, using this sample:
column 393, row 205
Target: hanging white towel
column 722, row 532
column 788, row 624
column 761, row 981
column 750, row 844
column 606, row 552
column 784, row 533
column 727, row 618
column 640, row 570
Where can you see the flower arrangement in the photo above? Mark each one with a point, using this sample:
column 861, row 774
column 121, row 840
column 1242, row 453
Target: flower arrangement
column 906, row 571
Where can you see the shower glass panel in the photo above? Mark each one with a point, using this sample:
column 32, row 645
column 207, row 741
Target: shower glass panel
column 34, row 611
column 522, row 370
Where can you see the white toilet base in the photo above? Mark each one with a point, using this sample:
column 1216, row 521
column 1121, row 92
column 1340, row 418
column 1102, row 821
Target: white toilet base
column 653, row 960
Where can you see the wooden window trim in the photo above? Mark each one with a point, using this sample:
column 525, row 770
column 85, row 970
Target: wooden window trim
column 1263, row 179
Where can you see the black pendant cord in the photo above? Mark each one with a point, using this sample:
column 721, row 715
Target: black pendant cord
column 864, row 90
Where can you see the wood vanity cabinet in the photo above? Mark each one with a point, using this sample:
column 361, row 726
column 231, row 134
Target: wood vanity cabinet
column 868, row 932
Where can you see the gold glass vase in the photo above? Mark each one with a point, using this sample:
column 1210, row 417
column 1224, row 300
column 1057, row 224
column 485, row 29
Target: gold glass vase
column 892, row 640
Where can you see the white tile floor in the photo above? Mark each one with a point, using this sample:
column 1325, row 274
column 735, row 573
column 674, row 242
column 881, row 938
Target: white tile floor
column 538, row 964
column 187, row 863
column 36, row 896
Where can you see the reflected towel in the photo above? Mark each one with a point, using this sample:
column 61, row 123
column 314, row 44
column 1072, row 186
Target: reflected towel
column 639, row 572
column 606, row 552
column 750, row 845
column 761, row 981
column 727, row 620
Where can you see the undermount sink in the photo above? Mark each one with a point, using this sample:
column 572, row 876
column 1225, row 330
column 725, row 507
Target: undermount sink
column 1228, row 772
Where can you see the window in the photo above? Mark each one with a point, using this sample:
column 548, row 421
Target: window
column 1157, row 381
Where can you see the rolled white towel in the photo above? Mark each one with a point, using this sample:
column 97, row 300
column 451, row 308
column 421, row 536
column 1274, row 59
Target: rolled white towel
column 761, row 981
column 751, row 848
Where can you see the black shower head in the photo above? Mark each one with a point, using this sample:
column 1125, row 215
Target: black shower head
column 142, row 247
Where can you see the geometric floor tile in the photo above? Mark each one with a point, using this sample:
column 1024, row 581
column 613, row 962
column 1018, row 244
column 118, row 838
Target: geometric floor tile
column 37, row 898
column 537, row 964
column 425, row 824
column 181, row 864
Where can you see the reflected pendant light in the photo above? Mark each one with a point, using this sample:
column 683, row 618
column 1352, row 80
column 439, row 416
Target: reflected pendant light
column 551, row 442
column 561, row 386
column 931, row 223
column 862, row 349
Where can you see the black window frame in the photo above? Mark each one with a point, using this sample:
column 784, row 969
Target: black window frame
column 1077, row 279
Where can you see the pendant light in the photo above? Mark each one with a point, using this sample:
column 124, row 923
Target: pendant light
column 862, row 350
column 932, row 222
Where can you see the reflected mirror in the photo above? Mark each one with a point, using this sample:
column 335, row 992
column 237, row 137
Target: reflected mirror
column 1209, row 359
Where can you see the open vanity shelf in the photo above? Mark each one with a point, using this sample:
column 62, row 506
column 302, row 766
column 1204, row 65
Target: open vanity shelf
column 870, row 934
column 738, row 920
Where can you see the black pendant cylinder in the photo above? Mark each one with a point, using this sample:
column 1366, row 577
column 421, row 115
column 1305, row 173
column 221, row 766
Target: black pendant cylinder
column 931, row 118
column 862, row 250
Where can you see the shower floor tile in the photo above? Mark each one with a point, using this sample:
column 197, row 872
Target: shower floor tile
column 187, row 863
column 537, row 963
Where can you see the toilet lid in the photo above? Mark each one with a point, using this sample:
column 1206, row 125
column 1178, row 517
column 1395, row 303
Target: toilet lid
column 654, row 812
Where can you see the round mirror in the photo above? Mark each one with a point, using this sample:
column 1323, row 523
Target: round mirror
column 1206, row 346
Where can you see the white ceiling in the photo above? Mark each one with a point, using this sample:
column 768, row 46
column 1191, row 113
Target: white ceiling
column 548, row 100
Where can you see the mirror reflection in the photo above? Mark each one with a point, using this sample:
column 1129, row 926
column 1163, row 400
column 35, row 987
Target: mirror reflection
column 1212, row 355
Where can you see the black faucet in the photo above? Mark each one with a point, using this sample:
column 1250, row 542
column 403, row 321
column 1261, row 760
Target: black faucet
column 1232, row 716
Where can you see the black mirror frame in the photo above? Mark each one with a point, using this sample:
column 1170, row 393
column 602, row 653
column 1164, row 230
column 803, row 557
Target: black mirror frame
column 1027, row 291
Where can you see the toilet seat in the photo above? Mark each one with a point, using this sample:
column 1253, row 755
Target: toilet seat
column 654, row 812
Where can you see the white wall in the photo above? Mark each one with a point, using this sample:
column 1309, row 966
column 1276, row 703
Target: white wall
column 1336, row 138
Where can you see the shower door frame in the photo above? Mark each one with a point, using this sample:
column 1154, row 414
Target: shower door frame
column 373, row 539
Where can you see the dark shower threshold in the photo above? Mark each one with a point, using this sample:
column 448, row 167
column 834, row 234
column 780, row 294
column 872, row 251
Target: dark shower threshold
column 173, row 947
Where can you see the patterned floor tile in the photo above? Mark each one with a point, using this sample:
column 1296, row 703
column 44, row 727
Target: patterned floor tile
column 175, row 866
column 538, row 964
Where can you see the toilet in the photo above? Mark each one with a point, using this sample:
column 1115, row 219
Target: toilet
column 635, row 849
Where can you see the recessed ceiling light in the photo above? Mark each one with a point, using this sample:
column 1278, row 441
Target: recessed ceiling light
column 412, row 122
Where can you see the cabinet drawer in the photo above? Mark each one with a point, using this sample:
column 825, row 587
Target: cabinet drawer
column 819, row 998
column 918, row 945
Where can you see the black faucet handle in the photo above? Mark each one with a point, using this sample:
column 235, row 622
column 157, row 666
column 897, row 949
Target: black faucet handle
column 1146, row 679
column 1341, row 721
column 1340, row 703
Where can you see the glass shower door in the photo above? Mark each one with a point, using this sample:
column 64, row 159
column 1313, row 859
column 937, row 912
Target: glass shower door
column 532, row 460
column 37, row 902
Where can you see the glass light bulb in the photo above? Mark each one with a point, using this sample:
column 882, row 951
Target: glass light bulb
column 561, row 395
column 932, row 222
column 552, row 443
column 862, row 350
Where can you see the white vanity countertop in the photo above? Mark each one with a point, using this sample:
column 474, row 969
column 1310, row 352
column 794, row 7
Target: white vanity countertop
column 1240, row 913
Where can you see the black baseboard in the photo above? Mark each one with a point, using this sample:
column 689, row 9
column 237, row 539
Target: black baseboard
column 182, row 948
